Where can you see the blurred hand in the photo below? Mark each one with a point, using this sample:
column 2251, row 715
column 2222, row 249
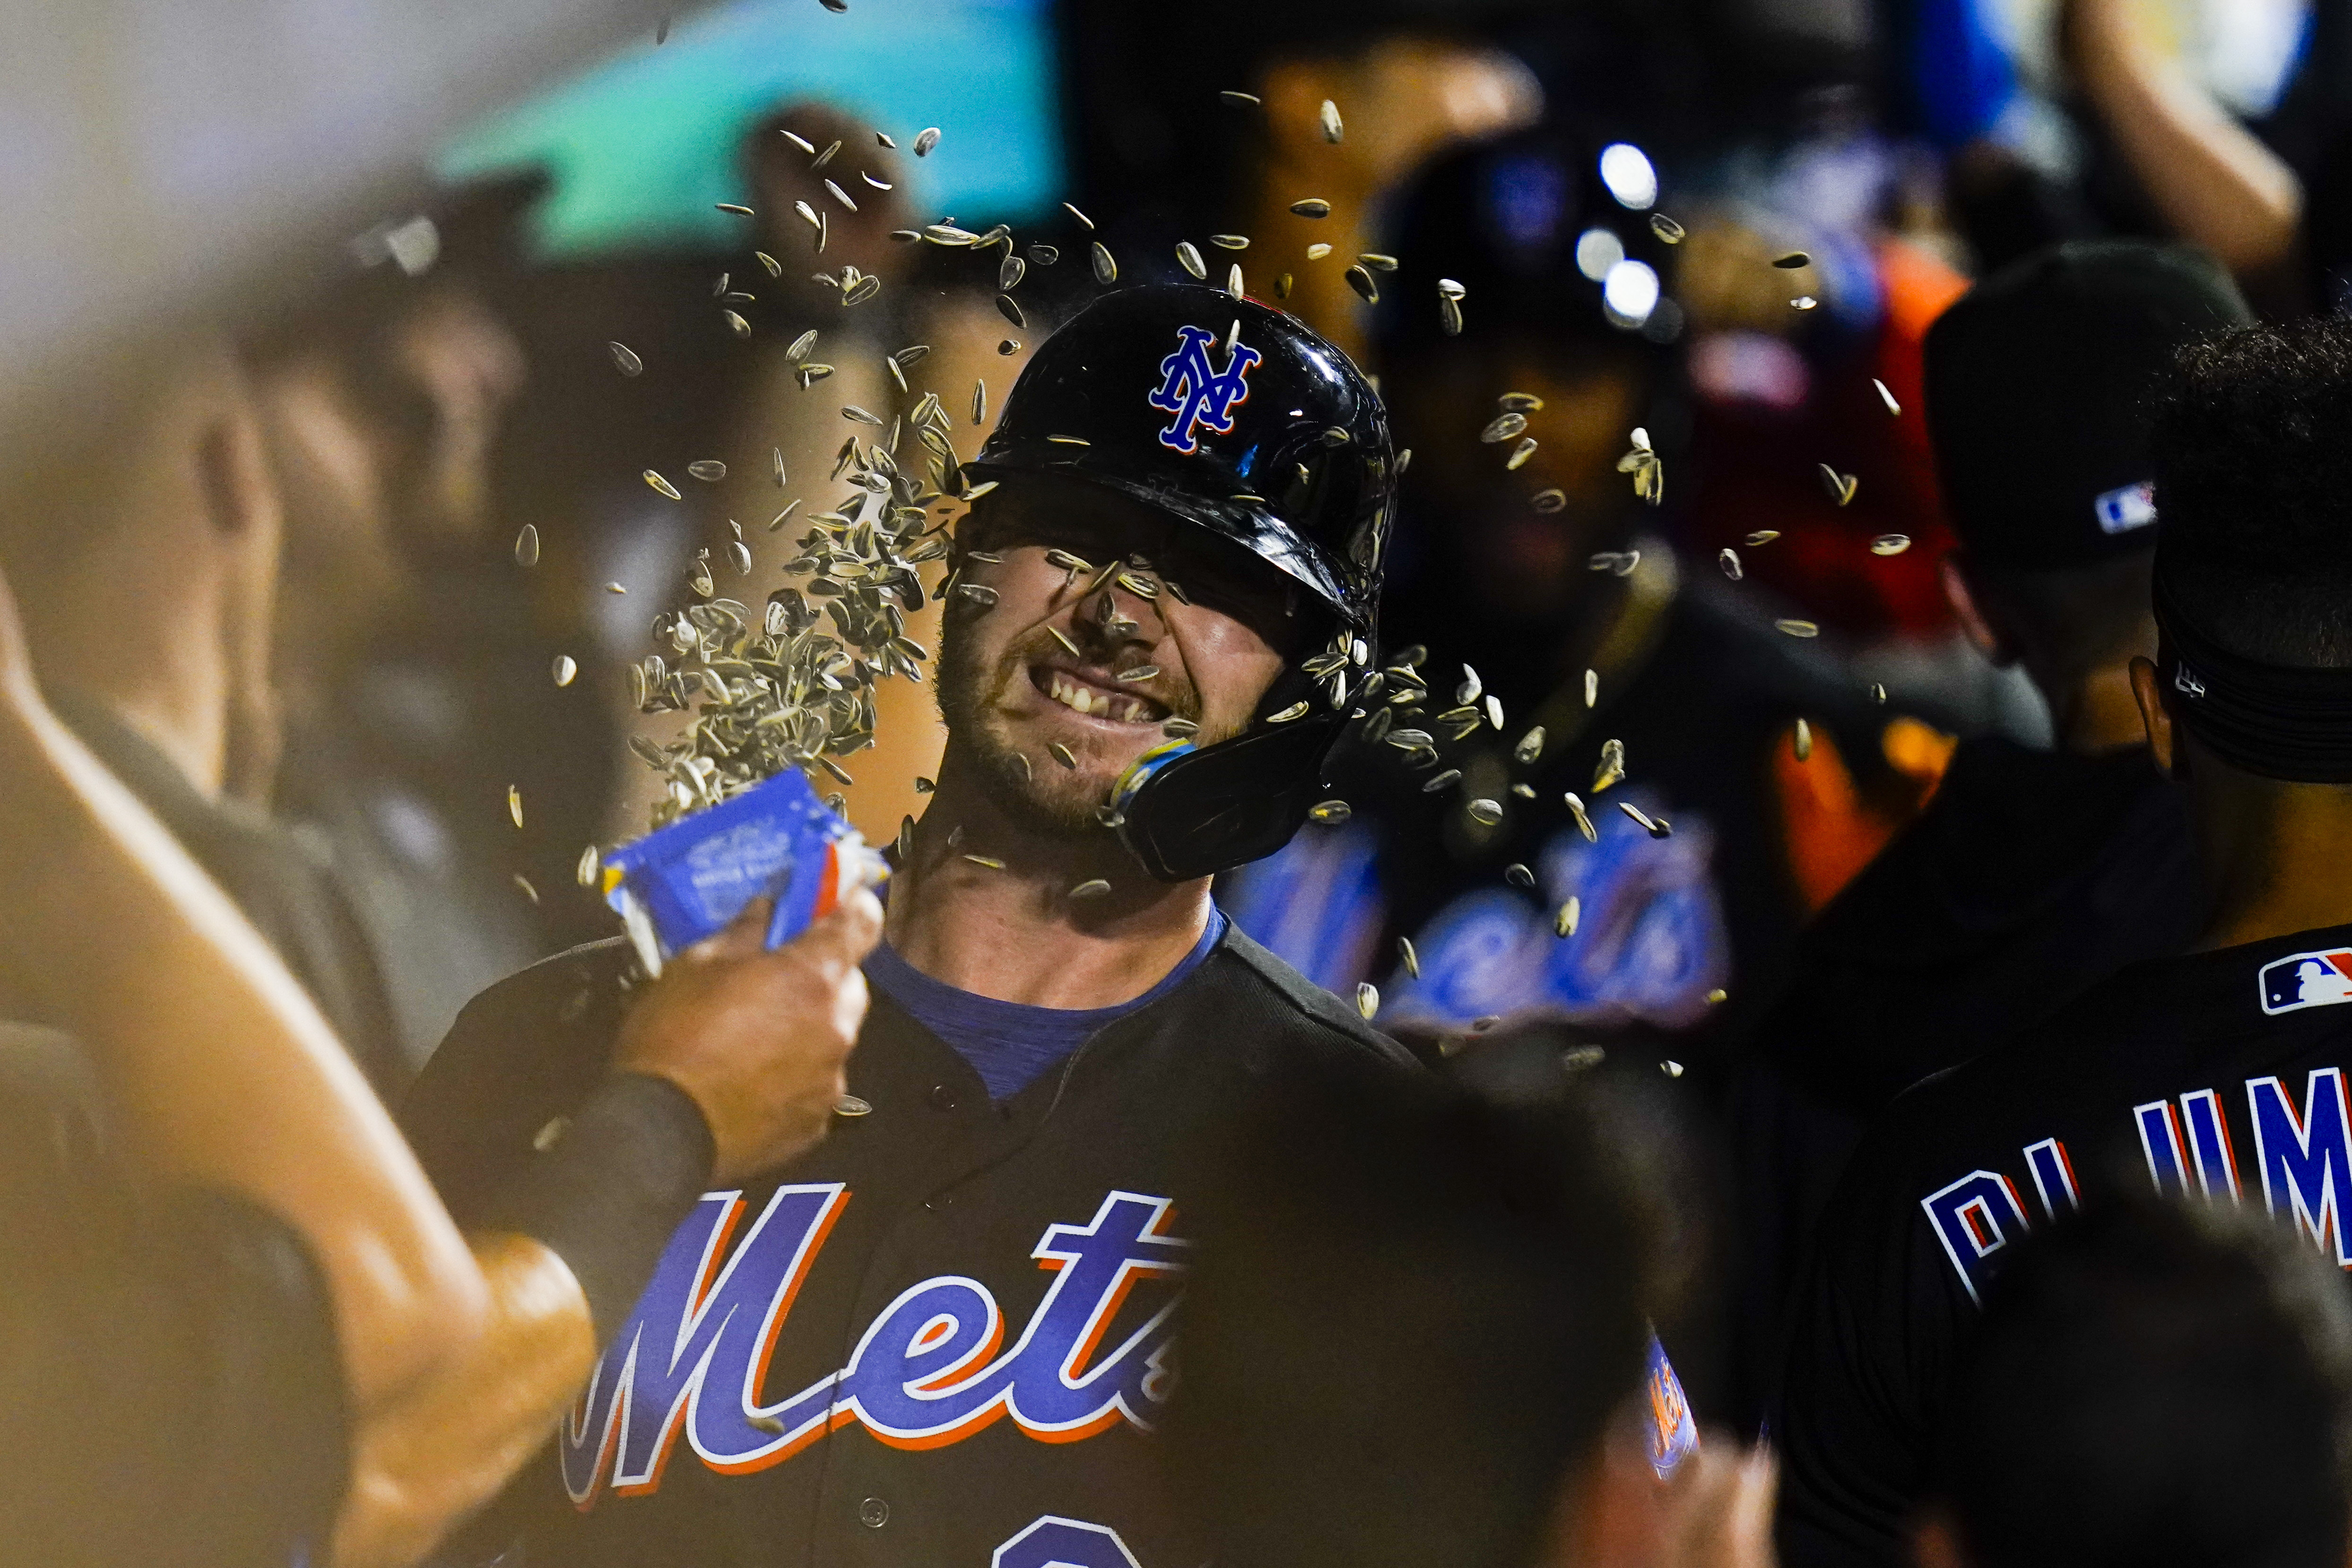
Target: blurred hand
column 758, row 1039
column 1719, row 1514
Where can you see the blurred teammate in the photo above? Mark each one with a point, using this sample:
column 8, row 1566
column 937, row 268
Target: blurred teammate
column 2152, row 1383
column 944, row 1336
column 2032, row 873
column 2217, row 1074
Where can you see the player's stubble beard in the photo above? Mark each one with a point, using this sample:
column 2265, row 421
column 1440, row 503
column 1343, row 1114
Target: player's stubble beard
column 1047, row 798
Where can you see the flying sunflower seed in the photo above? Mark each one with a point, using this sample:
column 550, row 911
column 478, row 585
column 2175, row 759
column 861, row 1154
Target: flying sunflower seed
column 1530, row 746
column 1795, row 628
column 709, row 470
column 1086, row 222
column 564, row 669
column 1361, row 282
column 1612, row 767
column 1877, row 693
column 1230, row 96
column 1022, row 760
column 1234, row 287
column 1295, row 710
column 1591, row 687
column 1887, row 398
column 735, row 324
column 1804, row 741
column 1044, row 254
column 1890, row 544
column 1728, row 559
column 1317, row 252
column 1486, row 811
column 1503, row 427
column 857, row 415
column 978, row 593
column 990, row 862
column 738, row 554
column 978, row 402
column 590, row 863
column 1139, row 672
column 514, row 804
column 615, row 588
column 1449, row 315
column 822, row 159
column 906, row 843
column 1105, row 270
column 1520, row 454
column 1379, row 263
column 1329, row 115
column 1441, row 780
column 1094, row 887
column 1367, row 999
column 802, row 143
column 1524, row 792
column 624, row 358
column 1583, row 822
column 1190, row 259
column 1329, row 814
column 1803, row 302
column 1792, row 260
column 925, row 140
column 1656, row 827
column 877, row 184
column 1762, row 537
column 1311, row 207
column 1564, row 923
column 523, row 883
column 1179, row 729
column 735, row 207
column 1011, row 312
column 1064, row 639
column 1064, row 755
column 1449, row 289
column 1519, row 402
column 526, row 548
column 1493, row 710
column 1667, row 229
column 1518, row 875
column 1553, row 500
column 1835, row 483
column 1010, row 272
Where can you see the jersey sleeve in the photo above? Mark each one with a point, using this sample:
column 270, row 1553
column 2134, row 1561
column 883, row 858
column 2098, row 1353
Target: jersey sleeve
column 1874, row 1335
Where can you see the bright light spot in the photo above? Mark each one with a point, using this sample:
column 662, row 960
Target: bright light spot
column 1629, row 293
column 1626, row 170
column 1597, row 250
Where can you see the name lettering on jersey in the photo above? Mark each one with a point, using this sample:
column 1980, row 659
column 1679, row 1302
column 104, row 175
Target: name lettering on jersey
column 2303, row 1157
column 693, row 1356
column 2305, row 980
column 1199, row 395
column 1052, row 1541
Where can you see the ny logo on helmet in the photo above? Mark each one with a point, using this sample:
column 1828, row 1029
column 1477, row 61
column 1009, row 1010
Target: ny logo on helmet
column 1196, row 392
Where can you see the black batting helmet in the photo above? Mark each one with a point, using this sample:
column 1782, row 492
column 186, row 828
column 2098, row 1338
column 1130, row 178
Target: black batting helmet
column 1233, row 417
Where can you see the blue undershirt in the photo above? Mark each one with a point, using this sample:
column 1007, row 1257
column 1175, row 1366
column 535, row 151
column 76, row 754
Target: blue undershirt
column 1011, row 1044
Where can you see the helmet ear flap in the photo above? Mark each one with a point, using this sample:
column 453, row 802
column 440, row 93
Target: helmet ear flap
column 1193, row 812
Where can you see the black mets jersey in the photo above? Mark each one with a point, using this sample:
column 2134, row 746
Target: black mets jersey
column 2216, row 1075
column 942, row 1338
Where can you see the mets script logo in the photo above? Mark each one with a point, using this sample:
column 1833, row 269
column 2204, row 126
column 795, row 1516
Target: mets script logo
column 2306, row 980
column 932, row 1368
column 1196, row 392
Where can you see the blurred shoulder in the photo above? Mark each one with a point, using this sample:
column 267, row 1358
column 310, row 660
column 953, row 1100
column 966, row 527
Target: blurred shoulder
column 1267, row 991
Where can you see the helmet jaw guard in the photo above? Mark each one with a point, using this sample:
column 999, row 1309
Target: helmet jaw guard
column 1236, row 419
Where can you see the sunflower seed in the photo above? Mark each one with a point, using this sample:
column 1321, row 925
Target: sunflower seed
column 1230, row 96
column 1530, row 746
column 979, row 401
column 1656, row 827
column 1591, row 687
column 877, row 184
column 564, row 669
column 1583, row 822
column 906, row 842
column 976, row 592
column 927, row 139
column 1367, row 999
column 1803, row 302
column 1449, row 315
column 799, row 141
column 624, row 358
column 1009, row 310
column 735, row 324
column 949, row 235
column 709, row 470
column 1877, row 693
column 1792, row 260
column 1665, row 229
column 990, row 862
column 1554, row 500
column 735, row 207
column 1521, row 453
column 514, row 804
column 1563, row 923
column 1485, row 811
column 1044, row 254
column 1797, row 628
column 1295, row 710
column 1329, row 814
column 1361, row 282
column 615, row 588
column 1105, row 270
column 1329, row 116
column 1612, row 767
column 1022, row 761
column 1519, row 402
column 1840, row 486
column 1190, row 259
column 1804, row 741
column 1441, row 780
column 1379, row 263
column 1762, row 537
column 857, row 415
column 1311, row 207
column 1317, row 252
column 1139, row 672
column 1728, row 559
column 1890, row 544
column 824, row 158
column 1504, row 427
column 1518, row 875
column 526, row 546
column 1094, row 887
column 523, row 883
column 1888, row 397
column 1010, row 272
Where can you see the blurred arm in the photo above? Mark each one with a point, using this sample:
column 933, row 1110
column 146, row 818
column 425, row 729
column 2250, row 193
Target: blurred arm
column 2215, row 183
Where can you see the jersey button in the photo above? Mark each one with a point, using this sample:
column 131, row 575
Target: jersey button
column 873, row 1513
column 943, row 1097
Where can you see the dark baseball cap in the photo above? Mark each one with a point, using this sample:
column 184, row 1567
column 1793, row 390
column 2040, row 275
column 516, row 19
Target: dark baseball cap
column 2039, row 385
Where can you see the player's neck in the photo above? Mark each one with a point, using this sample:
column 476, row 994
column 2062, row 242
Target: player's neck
column 2273, row 854
column 2098, row 712
column 1013, row 931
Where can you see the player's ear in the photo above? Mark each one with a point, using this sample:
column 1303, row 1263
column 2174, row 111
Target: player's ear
column 1978, row 626
column 2148, row 691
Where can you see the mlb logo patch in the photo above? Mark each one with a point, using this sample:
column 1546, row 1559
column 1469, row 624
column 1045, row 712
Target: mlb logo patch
column 2306, row 980
column 2122, row 510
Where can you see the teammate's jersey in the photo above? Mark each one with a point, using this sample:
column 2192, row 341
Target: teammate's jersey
column 2220, row 1075
column 940, row 1338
